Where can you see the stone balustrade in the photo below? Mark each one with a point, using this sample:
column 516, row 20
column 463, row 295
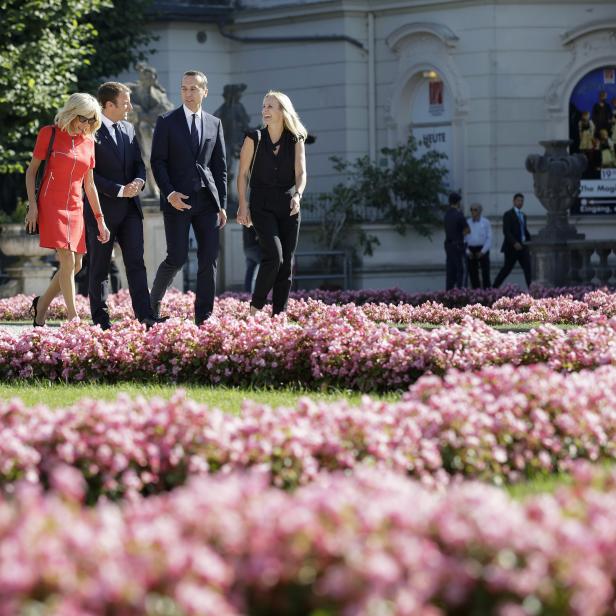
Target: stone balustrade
column 577, row 262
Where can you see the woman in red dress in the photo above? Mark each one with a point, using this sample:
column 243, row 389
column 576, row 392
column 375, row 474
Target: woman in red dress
column 59, row 210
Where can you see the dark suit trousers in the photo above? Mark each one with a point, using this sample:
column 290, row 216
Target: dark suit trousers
column 475, row 261
column 203, row 216
column 512, row 257
column 277, row 233
column 454, row 264
column 129, row 233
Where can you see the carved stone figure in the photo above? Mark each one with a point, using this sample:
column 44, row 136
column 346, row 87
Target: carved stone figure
column 149, row 100
column 235, row 122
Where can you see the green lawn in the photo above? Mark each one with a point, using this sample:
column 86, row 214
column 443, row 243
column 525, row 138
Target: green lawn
column 226, row 398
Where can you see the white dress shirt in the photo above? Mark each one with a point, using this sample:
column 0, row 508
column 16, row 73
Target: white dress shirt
column 480, row 235
column 109, row 126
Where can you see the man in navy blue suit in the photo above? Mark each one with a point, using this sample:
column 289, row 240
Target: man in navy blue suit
column 189, row 165
column 119, row 177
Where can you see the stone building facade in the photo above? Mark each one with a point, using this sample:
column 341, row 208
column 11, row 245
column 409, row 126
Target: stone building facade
column 482, row 81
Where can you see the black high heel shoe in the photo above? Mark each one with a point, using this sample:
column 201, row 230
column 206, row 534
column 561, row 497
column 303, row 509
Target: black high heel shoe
column 33, row 311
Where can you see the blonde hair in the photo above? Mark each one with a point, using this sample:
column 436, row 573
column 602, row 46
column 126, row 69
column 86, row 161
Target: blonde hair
column 79, row 104
column 290, row 118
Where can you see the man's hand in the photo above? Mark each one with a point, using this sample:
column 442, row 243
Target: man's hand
column 132, row 188
column 176, row 199
column 517, row 246
column 222, row 218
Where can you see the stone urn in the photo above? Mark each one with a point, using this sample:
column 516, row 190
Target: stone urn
column 28, row 273
column 557, row 176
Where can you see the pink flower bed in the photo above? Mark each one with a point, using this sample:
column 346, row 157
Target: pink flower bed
column 374, row 543
column 503, row 309
column 499, row 424
column 332, row 345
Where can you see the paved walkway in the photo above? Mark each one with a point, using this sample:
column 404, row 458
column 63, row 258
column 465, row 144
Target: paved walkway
column 18, row 328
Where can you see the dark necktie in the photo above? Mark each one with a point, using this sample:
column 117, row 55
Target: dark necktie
column 521, row 221
column 119, row 140
column 194, row 134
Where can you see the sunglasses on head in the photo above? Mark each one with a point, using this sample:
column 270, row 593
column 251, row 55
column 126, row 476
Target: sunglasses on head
column 91, row 121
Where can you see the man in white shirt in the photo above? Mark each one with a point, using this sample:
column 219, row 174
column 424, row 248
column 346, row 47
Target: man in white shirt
column 478, row 244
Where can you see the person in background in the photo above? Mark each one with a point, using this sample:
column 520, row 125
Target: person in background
column 478, row 244
column 455, row 230
column 277, row 183
column 514, row 245
column 59, row 210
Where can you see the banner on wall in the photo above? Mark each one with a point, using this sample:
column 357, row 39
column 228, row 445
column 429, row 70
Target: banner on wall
column 431, row 120
column 592, row 130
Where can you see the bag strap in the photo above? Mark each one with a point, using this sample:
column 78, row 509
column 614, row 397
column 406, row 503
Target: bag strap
column 51, row 140
column 49, row 151
column 254, row 156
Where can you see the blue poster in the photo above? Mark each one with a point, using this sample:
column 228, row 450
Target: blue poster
column 592, row 130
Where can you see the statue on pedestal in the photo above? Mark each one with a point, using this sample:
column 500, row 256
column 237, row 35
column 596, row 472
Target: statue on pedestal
column 235, row 122
column 149, row 100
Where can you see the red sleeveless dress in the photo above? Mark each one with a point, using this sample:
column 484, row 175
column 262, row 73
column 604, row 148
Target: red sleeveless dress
column 60, row 204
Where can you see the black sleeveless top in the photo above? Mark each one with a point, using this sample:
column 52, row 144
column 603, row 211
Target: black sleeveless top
column 273, row 170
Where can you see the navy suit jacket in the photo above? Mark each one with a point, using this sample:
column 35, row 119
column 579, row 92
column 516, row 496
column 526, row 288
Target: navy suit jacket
column 176, row 167
column 110, row 174
column 512, row 232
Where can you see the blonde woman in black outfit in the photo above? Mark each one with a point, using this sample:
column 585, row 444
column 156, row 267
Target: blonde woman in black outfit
column 277, row 183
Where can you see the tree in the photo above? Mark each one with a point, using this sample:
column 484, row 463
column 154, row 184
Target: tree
column 122, row 41
column 42, row 45
column 405, row 192
column 49, row 49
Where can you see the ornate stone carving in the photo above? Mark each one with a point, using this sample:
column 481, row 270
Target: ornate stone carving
column 149, row 100
column 556, row 178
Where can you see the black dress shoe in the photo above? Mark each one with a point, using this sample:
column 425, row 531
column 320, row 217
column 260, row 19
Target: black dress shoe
column 149, row 321
column 160, row 319
column 33, row 309
column 103, row 326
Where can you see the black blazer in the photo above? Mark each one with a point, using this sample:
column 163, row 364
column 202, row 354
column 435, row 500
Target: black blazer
column 174, row 165
column 511, row 230
column 110, row 174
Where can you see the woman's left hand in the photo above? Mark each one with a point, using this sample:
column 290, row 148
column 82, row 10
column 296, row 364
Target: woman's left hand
column 294, row 205
column 103, row 232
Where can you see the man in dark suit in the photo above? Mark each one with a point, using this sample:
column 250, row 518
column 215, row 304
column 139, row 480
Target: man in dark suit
column 189, row 165
column 119, row 177
column 514, row 245
column 456, row 228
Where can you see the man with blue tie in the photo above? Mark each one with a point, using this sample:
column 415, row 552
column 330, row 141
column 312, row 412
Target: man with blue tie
column 119, row 177
column 189, row 165
column 514, row 245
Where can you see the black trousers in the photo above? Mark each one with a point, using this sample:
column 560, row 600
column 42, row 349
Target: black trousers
column 129, row 234
column 203, row 216
column 277, row 232
column 454, row 264
column 511, row 258
column 476, row 261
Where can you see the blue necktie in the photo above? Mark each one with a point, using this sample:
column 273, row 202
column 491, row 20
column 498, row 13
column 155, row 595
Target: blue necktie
column 194, row 134
column 119, row 140
column 521, row 221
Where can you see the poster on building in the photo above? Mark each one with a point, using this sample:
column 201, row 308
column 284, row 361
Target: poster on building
column 592, row 130
column 431, row 119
